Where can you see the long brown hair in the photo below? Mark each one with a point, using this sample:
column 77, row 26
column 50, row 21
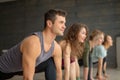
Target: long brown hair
column 71, row 37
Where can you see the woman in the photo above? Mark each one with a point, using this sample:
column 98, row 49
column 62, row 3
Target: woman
column 99, row 54
column 95, row 37
column 72, row 47
column 108, row 42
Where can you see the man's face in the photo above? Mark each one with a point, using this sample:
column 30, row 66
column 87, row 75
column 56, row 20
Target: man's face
column 58, row 26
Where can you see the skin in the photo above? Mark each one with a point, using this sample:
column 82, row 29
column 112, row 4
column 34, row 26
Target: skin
column 100, row 60
column 81, row 37
column 66, row 57
column 97, row 41
column 71, row 70
column 85, row 73
column 31, row 48
column 108, row 44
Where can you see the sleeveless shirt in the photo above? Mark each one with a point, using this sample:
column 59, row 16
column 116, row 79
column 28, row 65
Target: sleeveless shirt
column 11, row 60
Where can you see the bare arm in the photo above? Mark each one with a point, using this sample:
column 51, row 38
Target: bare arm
column 85, row 73
column 77, row 68
column 100, row 56
column 30, row 48
column 57, row 56
column 100, row 61
column 66, row 57
column 86, row 61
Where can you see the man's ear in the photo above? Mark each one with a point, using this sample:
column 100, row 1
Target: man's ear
column 49, row 23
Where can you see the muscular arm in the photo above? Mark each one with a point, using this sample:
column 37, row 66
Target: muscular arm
column 30, row 48
column 57, row 56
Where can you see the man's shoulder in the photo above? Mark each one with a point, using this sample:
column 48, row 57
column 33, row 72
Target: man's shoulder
column 30, row 44
column 32, row 37
column 31, row 40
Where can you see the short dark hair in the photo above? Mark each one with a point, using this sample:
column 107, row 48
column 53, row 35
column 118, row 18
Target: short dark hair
column 51, row 15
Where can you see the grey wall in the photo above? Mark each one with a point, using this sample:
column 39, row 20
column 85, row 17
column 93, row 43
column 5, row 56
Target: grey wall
column 21, row 17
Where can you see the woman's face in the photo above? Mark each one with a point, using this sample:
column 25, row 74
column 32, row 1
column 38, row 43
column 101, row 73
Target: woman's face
column 98, row 40
column 110, row 41
column 82, row 35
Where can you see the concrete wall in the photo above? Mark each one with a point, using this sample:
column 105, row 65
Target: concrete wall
column 21, row 17
column 118, row 51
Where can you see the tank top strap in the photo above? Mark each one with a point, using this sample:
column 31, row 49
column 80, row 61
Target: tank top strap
column 44, row 55
column 40, row 35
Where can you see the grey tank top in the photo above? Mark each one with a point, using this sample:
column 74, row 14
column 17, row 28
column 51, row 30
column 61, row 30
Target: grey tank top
column 11, row 61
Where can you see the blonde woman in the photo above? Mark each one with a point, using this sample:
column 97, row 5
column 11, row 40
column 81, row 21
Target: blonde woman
column 100, row 54
column 95, row 38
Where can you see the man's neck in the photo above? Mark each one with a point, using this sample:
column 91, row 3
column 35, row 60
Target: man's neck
column 48, row 36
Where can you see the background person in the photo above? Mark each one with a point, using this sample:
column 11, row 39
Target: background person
column 86, row 61
column 108, row 42
column 72, row 47
column 100, row 54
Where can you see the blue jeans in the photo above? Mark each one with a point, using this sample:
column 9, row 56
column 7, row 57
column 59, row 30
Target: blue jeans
column 48, row 67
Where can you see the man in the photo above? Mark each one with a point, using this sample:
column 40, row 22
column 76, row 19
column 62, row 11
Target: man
column 37, row 52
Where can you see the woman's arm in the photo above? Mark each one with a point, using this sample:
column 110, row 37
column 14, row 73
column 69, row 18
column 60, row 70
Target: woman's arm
column 66, row 50
column 66, row 57
column 85, row 73
column 77, row 68
column 100, row 61
column 86, row 61
column 100, row 53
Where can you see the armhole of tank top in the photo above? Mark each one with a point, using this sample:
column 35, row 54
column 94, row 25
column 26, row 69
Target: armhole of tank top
column 39, row 35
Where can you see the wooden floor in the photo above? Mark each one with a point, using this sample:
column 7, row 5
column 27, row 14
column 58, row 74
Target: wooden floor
column 114, row 74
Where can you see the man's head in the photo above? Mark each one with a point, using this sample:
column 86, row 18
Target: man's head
column 55, row 20
column 51, row 15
